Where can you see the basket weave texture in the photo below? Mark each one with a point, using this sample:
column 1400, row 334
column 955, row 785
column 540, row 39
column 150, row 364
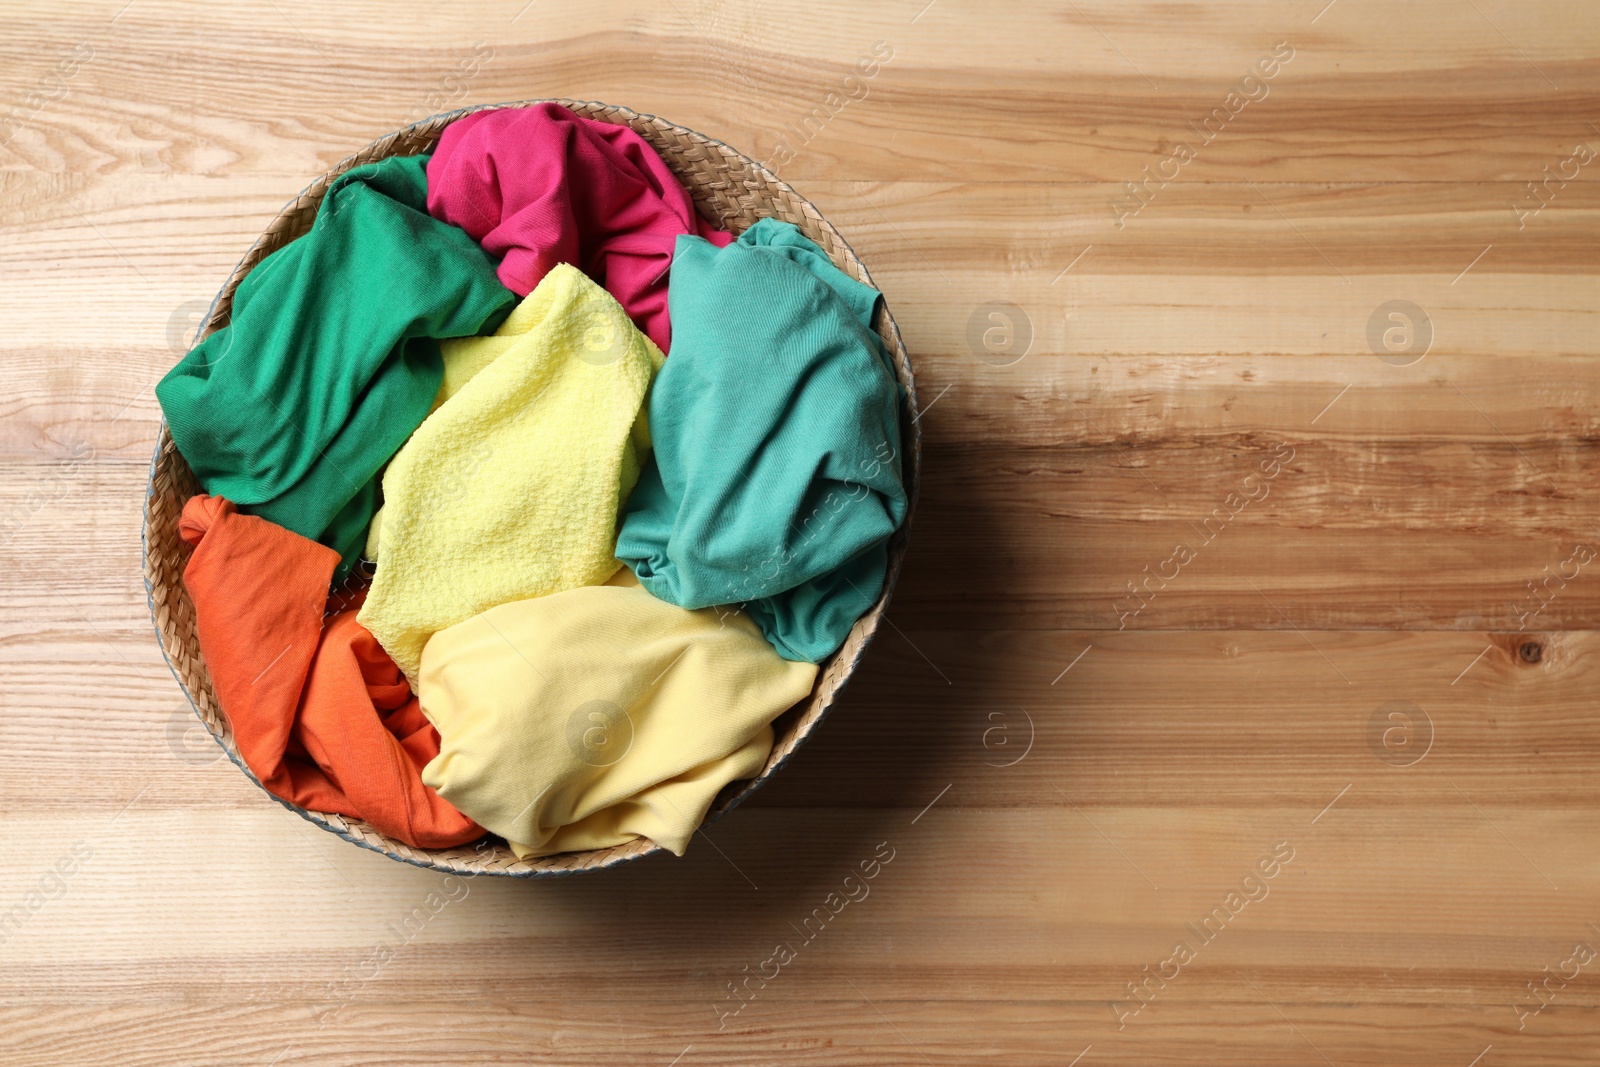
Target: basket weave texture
column 729, row 189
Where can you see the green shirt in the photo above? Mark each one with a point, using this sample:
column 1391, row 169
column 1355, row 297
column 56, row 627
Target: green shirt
column 330, row 359
column 775, row 478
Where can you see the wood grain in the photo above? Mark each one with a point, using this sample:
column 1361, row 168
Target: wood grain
column 1070, row 775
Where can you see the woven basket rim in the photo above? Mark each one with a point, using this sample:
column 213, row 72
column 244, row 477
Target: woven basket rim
column 774, row 190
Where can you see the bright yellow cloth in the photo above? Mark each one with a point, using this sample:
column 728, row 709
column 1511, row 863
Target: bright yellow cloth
column 591, row 717
column 510, row 488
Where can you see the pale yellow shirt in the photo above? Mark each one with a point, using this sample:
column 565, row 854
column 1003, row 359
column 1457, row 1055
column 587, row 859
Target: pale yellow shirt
column 598, row 715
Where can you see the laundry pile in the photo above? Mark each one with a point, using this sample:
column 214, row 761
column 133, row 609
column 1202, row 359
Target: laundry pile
column 598, row 571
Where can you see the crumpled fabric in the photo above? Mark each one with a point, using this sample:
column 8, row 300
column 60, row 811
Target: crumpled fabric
column 511, row 488
column 331, row 357
column 540, row 186
column 320, row 714
column 598, row 715
column 775, row 479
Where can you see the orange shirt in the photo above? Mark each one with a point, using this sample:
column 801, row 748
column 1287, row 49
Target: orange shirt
column 321, row 714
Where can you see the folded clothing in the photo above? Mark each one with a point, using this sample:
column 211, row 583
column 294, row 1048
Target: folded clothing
column 511, row 488
column 775, row 480
column 599, row 715
column 321, row 715
column 330, row 360
column 540, row 186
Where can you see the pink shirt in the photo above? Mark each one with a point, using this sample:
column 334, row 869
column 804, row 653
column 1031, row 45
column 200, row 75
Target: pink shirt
column 540, row 186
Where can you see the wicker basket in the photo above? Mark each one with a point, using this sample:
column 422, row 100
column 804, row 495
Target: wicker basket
column 729, row 189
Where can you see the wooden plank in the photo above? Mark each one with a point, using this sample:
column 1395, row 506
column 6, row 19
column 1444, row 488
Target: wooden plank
column 1176, row 719
column 1496, row 93
column 1053, row 539
column 1370, row 604
column 1060, row 950
column 1262, row 267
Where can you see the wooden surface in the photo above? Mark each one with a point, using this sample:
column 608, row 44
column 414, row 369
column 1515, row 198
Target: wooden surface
column 1067, row 786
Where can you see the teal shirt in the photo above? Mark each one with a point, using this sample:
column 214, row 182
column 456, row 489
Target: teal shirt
column 331, row 359
column 775, row 478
